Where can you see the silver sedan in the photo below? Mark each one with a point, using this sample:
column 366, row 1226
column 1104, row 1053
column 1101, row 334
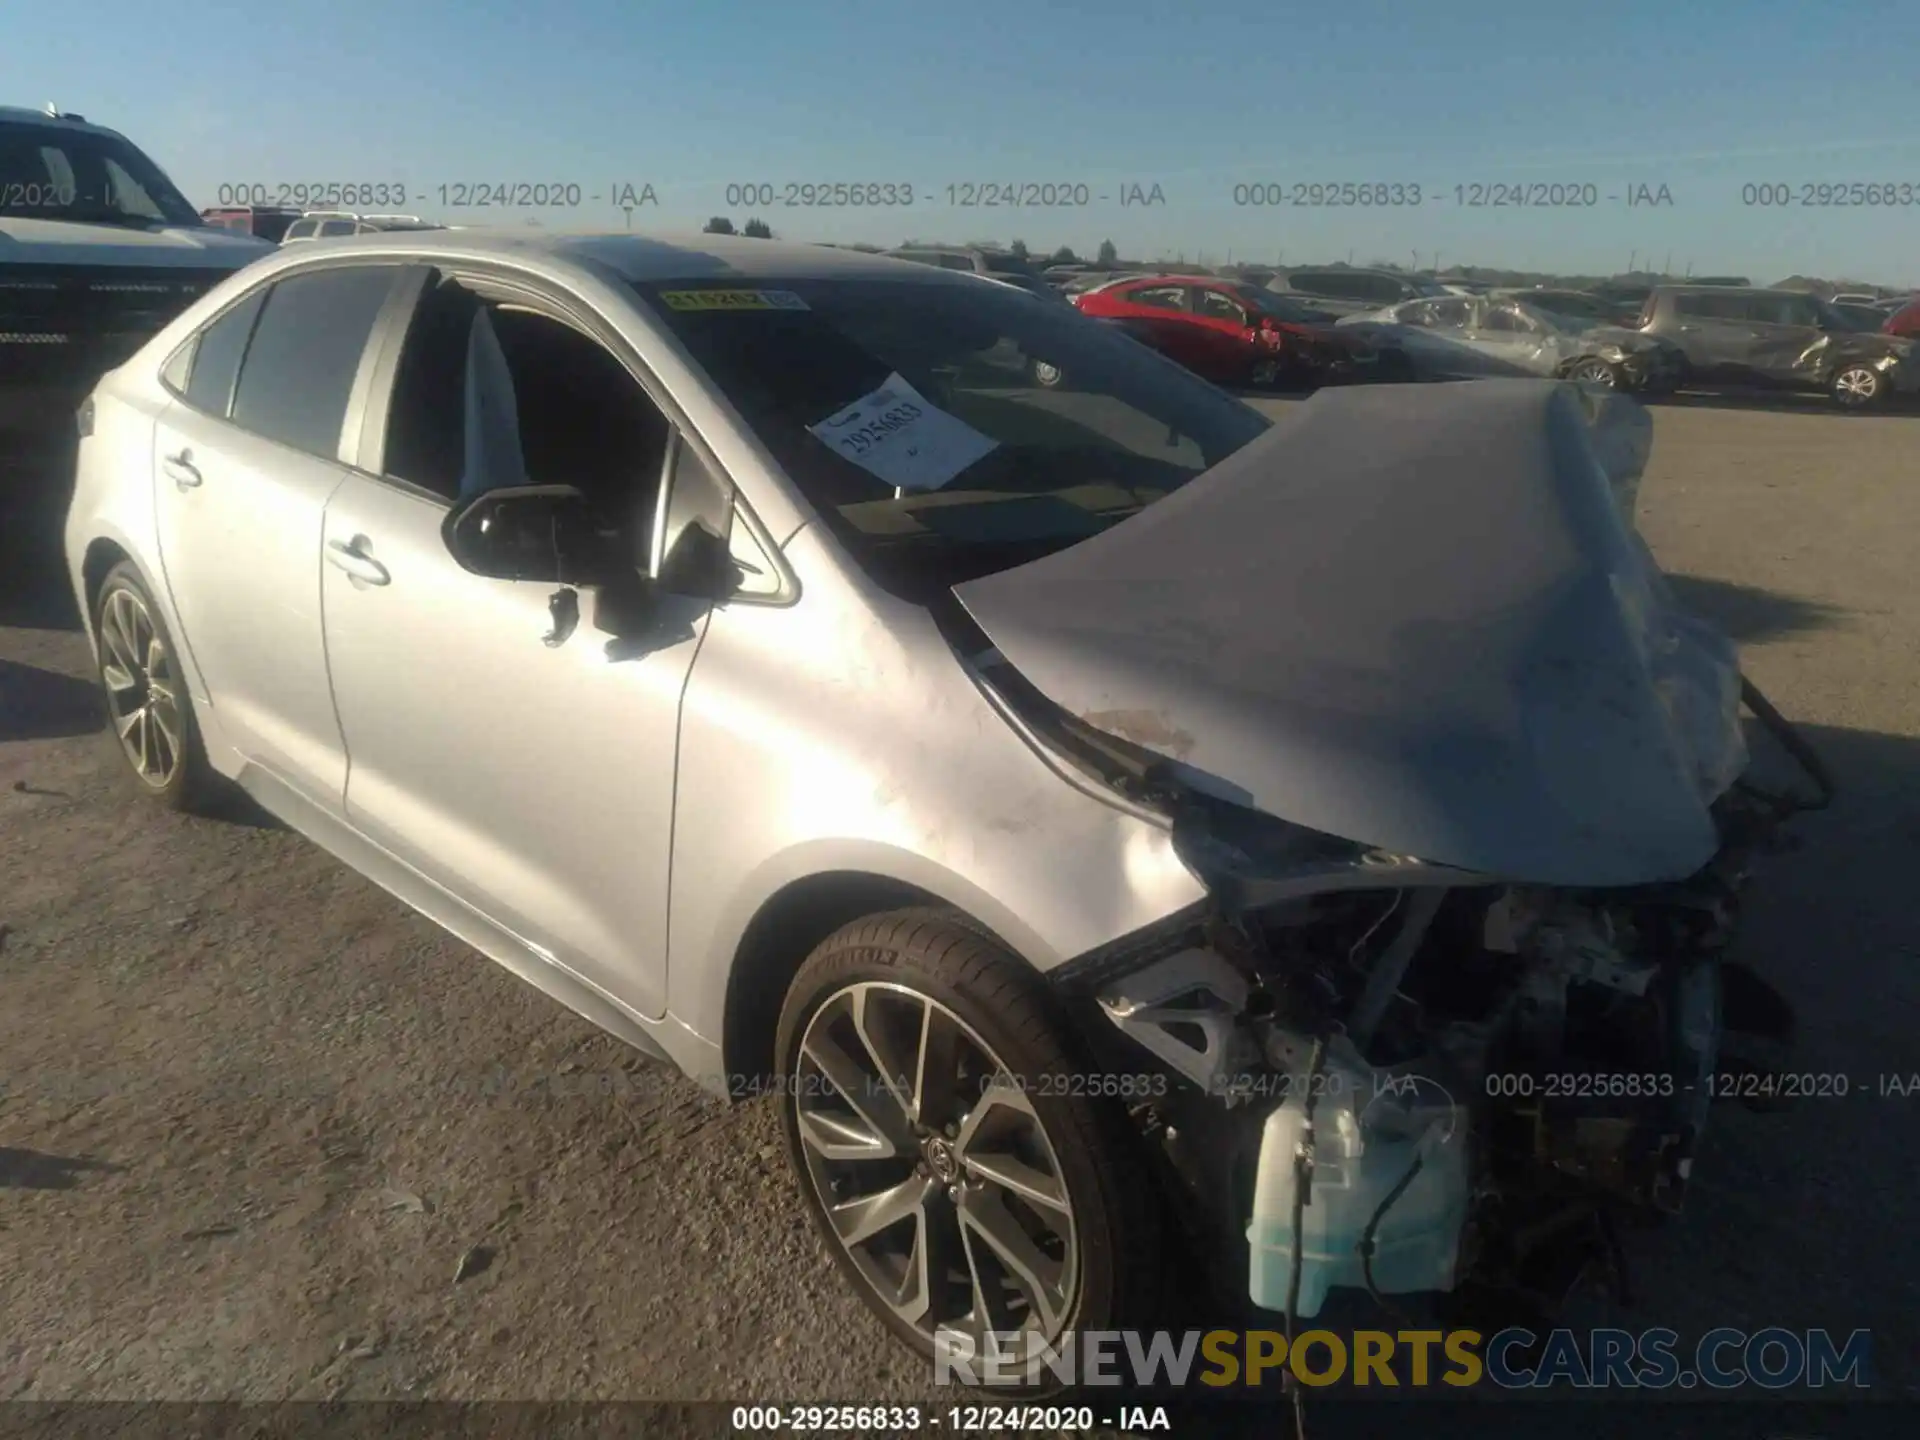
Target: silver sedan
column 1473, row 336
column 1064, row 799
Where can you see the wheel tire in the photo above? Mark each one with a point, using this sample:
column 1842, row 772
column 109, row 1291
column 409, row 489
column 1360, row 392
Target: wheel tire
column 1597, row 372
column 891, row 965
column 1856, row 387
column 139, row 670
column 1047, row 377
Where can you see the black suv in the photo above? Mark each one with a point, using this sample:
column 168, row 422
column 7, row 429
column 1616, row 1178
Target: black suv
column 1780, row 339
column 98, row 251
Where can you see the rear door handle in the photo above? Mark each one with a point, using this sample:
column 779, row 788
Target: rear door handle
column 351, row 556
column 181, row 469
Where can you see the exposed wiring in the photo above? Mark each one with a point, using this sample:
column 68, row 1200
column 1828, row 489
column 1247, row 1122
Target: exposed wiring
column 1373, row 929
column 1302, row 1183
column 1368, row 1235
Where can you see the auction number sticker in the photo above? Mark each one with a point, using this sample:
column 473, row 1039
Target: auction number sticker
column 732, row 300
column 899, row 435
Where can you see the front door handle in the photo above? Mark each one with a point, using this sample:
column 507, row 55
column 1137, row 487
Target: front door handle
column 181, row 469
column 351, row 556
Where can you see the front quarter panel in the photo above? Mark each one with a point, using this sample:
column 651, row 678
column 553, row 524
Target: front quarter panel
column 842, row 734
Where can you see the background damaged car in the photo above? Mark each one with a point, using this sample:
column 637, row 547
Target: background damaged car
column 1086, row 809
column 1470, row 336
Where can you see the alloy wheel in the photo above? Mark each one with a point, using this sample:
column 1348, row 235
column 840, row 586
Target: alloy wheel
column 1046, row 375
column 143, row 694
column 933, row 1169
column 1594, row 372
column 1856, row 385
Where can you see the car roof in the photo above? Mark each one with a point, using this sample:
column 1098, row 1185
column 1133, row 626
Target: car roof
column 648, row 258
column 19, row 115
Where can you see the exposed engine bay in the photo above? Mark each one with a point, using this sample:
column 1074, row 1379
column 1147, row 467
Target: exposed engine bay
column 1470, row 797
column 1440, row 1084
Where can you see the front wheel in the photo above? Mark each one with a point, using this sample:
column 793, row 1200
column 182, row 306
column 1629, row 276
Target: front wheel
column 1857, row 387
column 964, row 1170
column 1596, row 372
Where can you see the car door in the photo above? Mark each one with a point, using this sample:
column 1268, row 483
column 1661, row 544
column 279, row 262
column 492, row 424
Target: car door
column 245, row 458
column 1513, row 342
column 1717, row 333
column 1168, row 324
column 1785, row 327
column 524, row 767
column 1434, row 334
column 1220, row 324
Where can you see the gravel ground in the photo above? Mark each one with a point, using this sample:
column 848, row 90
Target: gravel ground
column 257, row 1116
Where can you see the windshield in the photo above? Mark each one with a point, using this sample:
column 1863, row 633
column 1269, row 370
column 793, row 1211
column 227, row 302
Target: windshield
column 51, row 172
column 947, row 431
column 1430, row 287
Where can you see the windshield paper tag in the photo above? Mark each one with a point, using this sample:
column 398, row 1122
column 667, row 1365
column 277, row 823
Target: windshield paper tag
column 731, row 300
column 902, row 437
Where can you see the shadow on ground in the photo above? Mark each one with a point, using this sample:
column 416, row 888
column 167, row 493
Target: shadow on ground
column 1749, row 614
column 39, row 704
column 36, row 1170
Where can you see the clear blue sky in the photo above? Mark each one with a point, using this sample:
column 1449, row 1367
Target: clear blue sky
column 1702, row 96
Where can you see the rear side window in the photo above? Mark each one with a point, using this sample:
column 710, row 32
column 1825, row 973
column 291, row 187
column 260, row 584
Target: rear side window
column 1308, row 283
column 306, row 351
column 216, row 357
column 1713, row 307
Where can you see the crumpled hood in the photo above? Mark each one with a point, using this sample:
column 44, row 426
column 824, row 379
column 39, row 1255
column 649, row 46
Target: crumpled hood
column 1417, row 618
column 70, row 242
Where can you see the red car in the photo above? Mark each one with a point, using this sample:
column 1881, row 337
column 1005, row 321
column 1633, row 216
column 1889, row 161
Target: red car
column 1238, row 334
column 1905, row 321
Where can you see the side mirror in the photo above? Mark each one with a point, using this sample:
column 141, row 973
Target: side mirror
column 700, row 564
column 545, row 533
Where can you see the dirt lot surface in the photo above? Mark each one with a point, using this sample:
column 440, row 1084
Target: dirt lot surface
column 255, row 1112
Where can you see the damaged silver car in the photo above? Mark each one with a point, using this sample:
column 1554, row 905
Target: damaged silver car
column 1111, row 825
column 1468, row 337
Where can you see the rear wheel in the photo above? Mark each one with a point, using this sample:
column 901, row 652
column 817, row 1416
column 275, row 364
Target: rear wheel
column 963, row 1180
column 148, row 707
column 1857, row 387
column 1046, row 376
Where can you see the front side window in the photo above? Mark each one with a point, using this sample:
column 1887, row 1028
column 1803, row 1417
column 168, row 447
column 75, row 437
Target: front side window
column 306, row 350
column 558, row 409
column 906, row 416
column 54, row 172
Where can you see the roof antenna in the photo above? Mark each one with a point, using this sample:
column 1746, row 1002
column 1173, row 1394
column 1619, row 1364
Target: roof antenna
column 53, row 110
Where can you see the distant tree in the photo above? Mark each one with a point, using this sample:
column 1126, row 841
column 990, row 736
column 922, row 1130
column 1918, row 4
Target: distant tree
column 1065, row 256
column 719, row 225
column 1018, row 249
column 1108, row 254
column 756, row 230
